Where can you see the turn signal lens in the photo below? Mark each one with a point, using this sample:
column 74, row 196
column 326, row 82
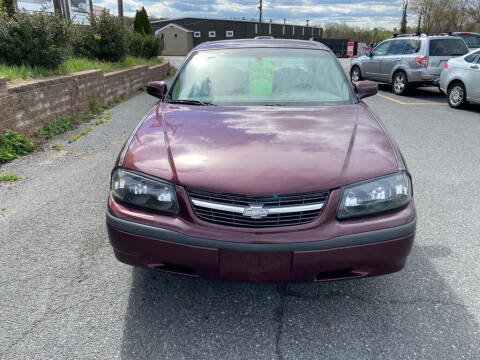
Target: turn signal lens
column 445, row 66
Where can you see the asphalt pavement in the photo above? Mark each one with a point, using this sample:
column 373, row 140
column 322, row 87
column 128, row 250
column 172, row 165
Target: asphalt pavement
column 64, row 296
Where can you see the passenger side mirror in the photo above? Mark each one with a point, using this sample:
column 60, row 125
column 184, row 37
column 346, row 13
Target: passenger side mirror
column 366, row 88
column 369, row 53
column 157, row 89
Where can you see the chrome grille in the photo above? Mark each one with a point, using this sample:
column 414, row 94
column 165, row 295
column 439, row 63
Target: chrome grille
column 227, row 209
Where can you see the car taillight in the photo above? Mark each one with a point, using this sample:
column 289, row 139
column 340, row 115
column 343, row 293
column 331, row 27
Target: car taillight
column 445, row 66
column 422, row 61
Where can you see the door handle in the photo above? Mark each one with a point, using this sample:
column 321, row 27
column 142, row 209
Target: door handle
column 398, row 59
column 474, row 67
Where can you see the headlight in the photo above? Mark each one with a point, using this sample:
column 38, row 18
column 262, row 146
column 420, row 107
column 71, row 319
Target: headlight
column 375, row 196
column 139, row 190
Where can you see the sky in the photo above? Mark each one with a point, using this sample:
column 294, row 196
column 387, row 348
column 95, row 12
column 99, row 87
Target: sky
column 365, row 13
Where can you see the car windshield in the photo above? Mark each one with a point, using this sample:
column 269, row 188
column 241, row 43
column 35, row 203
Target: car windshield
column 262, row 76
column 448, row 47
column 472, row 40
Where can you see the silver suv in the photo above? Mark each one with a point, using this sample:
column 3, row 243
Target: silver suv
column 408, row 61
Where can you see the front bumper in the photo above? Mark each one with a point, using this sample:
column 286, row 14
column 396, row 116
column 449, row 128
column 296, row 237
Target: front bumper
column 348, row 256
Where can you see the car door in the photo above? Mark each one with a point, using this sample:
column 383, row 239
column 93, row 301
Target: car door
column 391, row 59
column 371, row 68
column 473, row 86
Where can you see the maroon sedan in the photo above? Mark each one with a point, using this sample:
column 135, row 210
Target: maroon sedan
column 261, row 163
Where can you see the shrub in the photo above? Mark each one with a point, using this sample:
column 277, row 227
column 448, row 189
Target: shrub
column 33, row 39
column 104, row 39
column 13, row 145
column 8, row 6
column 144, row 46
column 141, row 24
column 57, row 126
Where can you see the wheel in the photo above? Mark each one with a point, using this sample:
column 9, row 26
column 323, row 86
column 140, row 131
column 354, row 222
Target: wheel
column 457, row 95
column 400, row 83
column 355, row 74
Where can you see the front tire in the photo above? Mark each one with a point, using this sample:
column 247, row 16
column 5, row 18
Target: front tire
column 400, row 83
column 457, row 96
column 355, row 75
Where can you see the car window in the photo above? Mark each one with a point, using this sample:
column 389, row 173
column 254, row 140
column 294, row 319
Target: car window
column 448, row 47
column 412, row 46
column 397, row 47
column 263, row 76
column 472, row 40
column 404, row 47
column 381, row 49
column 472, row 58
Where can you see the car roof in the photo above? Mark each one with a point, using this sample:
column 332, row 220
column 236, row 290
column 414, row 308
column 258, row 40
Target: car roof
column 261, row 43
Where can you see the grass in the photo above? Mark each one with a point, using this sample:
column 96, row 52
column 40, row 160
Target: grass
column 103, row 118
column 12, row 72
column 58, row 146
column 81, row 133
column 8, row 177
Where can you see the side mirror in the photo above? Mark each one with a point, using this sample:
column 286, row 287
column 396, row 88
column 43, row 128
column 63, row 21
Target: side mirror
column 366, row 88
column 369, row 53
column 157, row 89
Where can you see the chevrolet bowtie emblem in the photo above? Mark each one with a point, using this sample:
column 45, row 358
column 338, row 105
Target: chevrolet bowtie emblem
column 255, row 211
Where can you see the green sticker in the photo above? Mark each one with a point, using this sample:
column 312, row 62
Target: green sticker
column 261, row 78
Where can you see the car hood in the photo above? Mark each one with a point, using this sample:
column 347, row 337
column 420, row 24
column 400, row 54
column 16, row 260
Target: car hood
column 261, row 150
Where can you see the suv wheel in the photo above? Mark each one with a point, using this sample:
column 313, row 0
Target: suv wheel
column 400, row 83
column 457, row 96
column 355, row 75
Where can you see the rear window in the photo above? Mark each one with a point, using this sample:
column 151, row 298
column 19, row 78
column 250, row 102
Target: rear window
column 472, row 40
column 448, row 47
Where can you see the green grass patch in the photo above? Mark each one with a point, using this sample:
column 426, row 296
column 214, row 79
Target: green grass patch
column 55, row 127
column 81, row 133
column 103, row 118
column 12, row 72
column 96, row 108
column 58, row 146
column 13, row 145
column 8, row 177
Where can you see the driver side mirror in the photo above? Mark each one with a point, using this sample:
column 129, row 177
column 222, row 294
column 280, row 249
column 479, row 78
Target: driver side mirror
column 157, row 89
column 366, row 88
column 369, row 53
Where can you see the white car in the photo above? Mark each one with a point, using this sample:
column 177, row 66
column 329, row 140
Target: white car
column 460, row 80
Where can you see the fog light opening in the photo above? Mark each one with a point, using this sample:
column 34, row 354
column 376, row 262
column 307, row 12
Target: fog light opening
column 175, row 269
column 339, row 275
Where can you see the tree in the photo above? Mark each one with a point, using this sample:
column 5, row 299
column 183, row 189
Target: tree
column 9, row 6
column 403, row 24
column 141, row 24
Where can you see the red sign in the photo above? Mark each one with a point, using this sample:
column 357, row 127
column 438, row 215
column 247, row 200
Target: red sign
column 350, row 46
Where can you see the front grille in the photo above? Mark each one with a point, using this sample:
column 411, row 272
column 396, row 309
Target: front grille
column 231, row 218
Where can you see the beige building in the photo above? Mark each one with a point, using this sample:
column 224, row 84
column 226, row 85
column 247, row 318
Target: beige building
column 177, row 39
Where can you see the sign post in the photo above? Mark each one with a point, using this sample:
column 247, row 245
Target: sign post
column 350, row 50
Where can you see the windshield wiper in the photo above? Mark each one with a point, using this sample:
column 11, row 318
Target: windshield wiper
column 190, row 102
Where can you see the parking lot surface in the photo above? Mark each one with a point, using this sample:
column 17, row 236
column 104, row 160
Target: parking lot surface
column 64, row 296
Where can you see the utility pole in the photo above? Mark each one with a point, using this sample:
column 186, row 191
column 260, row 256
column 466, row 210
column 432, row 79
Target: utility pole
column 307, row 22
column 90, row 4
column 120, row 10
column 260, row 8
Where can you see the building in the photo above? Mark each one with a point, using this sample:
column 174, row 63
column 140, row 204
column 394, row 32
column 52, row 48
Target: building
column 181, row 35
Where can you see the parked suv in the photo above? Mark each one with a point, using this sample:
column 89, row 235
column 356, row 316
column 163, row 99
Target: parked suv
column 408, row 61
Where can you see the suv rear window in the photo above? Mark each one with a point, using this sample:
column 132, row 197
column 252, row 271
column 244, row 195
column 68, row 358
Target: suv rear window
column 448, row 47
column 472, row 40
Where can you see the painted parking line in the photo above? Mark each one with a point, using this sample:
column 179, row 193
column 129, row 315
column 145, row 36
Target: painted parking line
column 430, row 103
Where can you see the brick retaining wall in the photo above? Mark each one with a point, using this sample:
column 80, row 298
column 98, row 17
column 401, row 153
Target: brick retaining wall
column 26, row 107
